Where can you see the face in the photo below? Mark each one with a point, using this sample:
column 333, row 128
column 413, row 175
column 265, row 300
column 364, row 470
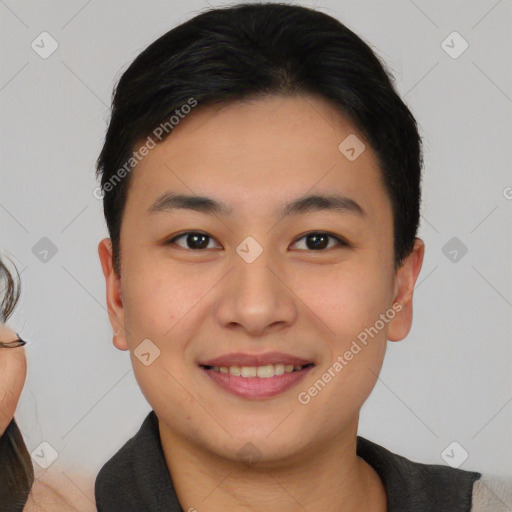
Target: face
column 13, row 371
column 263, row 275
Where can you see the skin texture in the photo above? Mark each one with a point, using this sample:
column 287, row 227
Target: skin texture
column 55, row 492
column 196, row 304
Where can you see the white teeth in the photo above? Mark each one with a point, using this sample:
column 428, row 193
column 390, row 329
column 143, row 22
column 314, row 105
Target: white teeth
column 234, row 370
column 263, row 372
column 249, row 371
column 278, row 369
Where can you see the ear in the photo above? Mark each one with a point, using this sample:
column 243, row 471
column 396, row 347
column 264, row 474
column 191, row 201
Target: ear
column 113, row 294
column 405, row 280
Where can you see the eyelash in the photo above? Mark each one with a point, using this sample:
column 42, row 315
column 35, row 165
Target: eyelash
column 340, row 241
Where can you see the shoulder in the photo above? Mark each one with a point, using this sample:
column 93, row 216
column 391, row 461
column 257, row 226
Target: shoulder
column 132, row 458
column 51, row 494
column 492, row 492
column 417, row 486
column 137, row 477
column 44, row 497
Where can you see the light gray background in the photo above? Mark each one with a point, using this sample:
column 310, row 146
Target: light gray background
column 450, row 380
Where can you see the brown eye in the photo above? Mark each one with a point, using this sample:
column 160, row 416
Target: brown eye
column 319, row 240
column 194, row 240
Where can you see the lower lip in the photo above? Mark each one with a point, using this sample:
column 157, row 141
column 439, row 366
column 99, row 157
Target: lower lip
column 255, row 387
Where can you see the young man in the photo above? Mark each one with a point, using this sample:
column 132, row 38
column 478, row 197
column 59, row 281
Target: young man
column 261, row 186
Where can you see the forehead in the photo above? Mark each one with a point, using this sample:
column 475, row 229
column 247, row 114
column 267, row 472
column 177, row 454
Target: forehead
column 266, row 150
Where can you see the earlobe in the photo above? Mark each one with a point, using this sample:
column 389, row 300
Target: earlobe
column 119, row 341
column 113, row 293
column 405, row 281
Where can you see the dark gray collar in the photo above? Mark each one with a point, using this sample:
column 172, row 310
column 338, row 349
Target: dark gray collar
column 136, row 478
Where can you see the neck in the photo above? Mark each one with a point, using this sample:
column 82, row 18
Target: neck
column 330, row 478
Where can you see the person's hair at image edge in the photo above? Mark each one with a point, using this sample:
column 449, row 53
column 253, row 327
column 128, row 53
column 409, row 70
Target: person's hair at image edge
column 248, row 51
column 16, row 470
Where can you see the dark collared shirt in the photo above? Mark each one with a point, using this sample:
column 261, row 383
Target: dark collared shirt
column 136, row 478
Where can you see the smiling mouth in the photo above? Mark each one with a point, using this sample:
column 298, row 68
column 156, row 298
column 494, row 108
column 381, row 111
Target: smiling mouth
column 263, row 372
column 257, row 382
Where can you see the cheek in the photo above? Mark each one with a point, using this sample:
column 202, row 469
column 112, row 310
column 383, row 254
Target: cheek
column 159, row 307
column 361, row 331
column 356, row 347
column 350, row 303
column 347, row 300
column 157, row 299
column 164, row 306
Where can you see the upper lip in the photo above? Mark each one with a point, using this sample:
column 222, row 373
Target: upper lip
column 242, row 359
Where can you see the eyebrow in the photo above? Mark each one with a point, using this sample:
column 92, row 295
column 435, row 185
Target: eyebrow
column 169, row 201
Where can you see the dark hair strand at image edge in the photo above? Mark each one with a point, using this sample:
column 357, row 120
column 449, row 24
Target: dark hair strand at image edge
column 16, row 470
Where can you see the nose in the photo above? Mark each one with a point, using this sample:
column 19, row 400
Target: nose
column 256, row 297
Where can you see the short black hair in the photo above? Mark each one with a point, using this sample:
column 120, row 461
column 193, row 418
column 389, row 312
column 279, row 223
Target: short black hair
column 250, row 50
